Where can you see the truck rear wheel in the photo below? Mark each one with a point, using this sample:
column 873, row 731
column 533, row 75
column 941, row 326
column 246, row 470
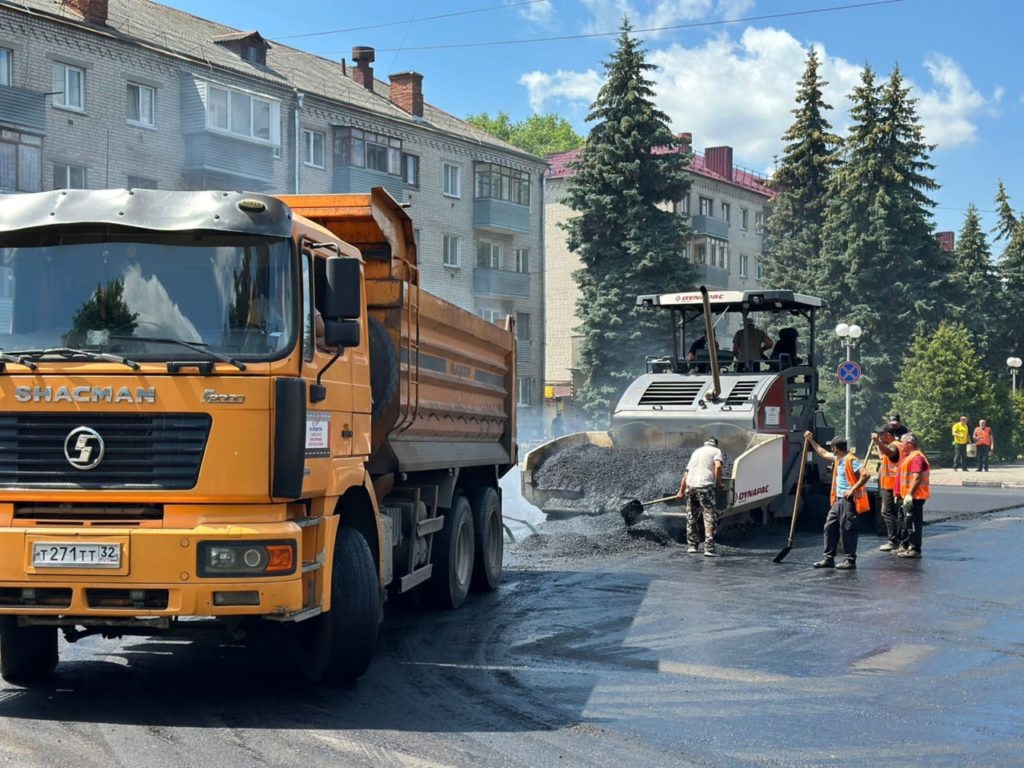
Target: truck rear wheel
column 339, row 645
column 452, row 550
column 489, row 534
column 28, row 655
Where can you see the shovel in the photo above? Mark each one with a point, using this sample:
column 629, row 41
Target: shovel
column 796, row 503
column 633, row 510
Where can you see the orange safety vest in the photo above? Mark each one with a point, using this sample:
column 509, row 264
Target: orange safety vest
column 983, row 436
column 889, row 470
column 860, row 496
column 923, row 491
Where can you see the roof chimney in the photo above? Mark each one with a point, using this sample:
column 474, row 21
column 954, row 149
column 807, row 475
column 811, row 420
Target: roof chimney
column 407, row 92
column 93, row 11
column 718, row 160
column 363, row 73
column 685, row 142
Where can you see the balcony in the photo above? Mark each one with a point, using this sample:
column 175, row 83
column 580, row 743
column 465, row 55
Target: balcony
column 214, row 157
column 349, row 178
column 500, row 216
column 501, row 283
column 709, row 225
column 712, row 277
column 22, row 109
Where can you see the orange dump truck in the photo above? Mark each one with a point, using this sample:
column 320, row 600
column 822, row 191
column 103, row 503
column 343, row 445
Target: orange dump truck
column 219, row 409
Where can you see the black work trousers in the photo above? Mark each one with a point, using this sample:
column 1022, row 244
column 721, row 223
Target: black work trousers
column 914, row 510
column 983, row 451
column 889, row 515
column 841, row 524
column 959, row 456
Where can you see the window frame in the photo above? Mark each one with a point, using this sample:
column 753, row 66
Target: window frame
column 451, row 173
column 68, row 169
column 449, row 244
column 743, row 264
column 24, row 144
column 522, row 260
column 726, row 210
column 411, row 179
column 309, row 148
column 759, row 220
column 6, row 66
column 493, row 181
column 707, row 206
column 744, row 220
column 494, row 257
column 273, row 107
column 523, row 326
column 377, row 152
column 59, row 98
column 133, row 182
column 524, row 394
column 140, row 87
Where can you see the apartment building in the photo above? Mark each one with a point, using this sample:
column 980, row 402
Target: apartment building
column 726, row 210
column 115, row 93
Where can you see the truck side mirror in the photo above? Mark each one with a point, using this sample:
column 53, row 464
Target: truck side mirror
column 341, row 334
column 344, row 298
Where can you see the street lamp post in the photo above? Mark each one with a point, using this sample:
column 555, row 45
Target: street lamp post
column 1014, row 364
column 849, row 335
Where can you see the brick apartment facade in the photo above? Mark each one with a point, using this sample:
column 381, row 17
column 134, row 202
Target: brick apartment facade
column 115, row 93
column 726, row 208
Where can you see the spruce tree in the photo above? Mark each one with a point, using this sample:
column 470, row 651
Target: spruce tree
column 809, row 159
column 976, row 290
column 1011, row 275
column 1007, row 221
column 629, row 243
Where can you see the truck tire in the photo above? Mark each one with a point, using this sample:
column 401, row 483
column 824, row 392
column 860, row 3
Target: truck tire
column 452, row 551
column 489, row 535
column 338, row 646
column 28, row 655
column 383, row 368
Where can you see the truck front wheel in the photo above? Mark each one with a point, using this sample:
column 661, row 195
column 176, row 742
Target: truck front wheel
column 28, row 655
column 338, row 646
column 452, row 557
column 490, row 539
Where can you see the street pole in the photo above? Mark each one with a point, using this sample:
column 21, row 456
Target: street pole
column 849, row 334
column 848, row 395
column 1014, row 363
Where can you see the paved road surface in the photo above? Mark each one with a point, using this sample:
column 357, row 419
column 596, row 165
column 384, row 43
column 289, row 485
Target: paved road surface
column 602, row 649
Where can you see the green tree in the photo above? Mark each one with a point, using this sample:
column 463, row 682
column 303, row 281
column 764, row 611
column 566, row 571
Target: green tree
column 802, row 179
column 976, row 289
column 538, row 134
column 1007, row 221
column 627, row 242
column 942, row 380
column 1011, row 275
column 105, row 310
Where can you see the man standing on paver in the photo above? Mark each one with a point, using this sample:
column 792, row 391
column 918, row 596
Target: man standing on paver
column 986, row 443
column 912, row 486
column 848, row 499
column 702, row 476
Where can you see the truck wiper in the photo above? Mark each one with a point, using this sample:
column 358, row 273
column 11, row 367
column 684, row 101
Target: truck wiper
column 71, row 352
column 194, row 346
column 6, row 357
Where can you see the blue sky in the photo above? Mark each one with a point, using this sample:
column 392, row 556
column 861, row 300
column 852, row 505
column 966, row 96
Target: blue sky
column 727, row 83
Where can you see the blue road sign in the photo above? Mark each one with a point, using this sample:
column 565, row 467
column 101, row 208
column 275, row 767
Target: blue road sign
column 848, row 372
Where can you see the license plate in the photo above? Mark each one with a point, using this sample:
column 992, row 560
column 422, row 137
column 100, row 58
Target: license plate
column 57, row 554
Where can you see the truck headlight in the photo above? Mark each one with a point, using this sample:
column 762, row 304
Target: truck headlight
column 246, row 558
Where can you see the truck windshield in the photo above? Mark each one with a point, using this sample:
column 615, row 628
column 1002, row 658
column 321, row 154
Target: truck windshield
column 124, row 292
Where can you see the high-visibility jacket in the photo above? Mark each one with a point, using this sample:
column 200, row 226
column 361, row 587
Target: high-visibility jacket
column 888, row 471
column 983, row 436
column 903, row 480
column 860, row 496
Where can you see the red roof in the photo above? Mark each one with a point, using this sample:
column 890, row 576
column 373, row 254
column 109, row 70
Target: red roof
column 559, row 162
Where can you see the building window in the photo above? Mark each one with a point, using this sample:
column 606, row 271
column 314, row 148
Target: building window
column 68, row 176
column 411, row 169
column 450, row 256
column 522, row 259
column 726, row 212
column 6, row 67
column 523, row 326
column 500, row 183
column 682, row 206
column 718, row 253
column 452, row 180
column 743, row 218
column 488, row 255
column 524, row 390
column 68, row 87
column 364, row 149
column 743, row 265
column 493, row 315
column 760, row 270
column 313, row 148
column 141, row 105
column 759, row 222
column 21, row 162
column 706, row 207
column 244, row 115
column 700, row 253
column 138, row 182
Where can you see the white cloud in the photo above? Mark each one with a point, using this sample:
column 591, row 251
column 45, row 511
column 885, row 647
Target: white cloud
column 538, row 12
column 576, row 90
column 606, row 15
column 948, row 110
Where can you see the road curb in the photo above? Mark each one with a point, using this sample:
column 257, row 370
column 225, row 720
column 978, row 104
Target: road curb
column 987, row 484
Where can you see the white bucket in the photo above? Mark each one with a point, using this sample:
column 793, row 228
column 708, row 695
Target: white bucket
column 972, row 451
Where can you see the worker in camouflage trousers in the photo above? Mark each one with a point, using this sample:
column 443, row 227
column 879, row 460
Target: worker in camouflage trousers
column 702, row 477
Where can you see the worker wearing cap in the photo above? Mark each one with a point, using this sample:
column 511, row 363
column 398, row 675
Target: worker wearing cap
column 913, row 488
column 702, row 476
column 849, row 498
column 889, row 451
column 899, row 429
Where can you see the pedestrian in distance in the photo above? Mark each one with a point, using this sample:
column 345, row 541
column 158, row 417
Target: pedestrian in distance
column 849, row 498
column 960, row 439
column 558, row 425
column 986, row 443
column 912, row 489
column 889, row 451
column 703, row 475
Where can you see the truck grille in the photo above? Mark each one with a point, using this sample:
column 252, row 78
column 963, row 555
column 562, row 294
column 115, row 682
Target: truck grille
column 671, row 393
column 147, row 452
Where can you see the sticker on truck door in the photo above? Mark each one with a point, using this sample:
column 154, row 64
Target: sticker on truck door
column 318, row 434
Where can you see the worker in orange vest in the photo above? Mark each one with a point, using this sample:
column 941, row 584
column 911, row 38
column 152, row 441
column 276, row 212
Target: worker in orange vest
column 848, row 498
column 912, row 488
column 985, row 442
column 889, row 451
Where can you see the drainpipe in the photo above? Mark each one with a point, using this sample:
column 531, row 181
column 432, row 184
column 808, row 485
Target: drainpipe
column 298, row 137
